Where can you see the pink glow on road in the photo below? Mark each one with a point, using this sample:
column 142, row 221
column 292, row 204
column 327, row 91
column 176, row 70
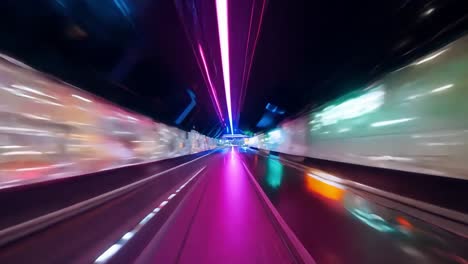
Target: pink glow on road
column 228, row 223
column 210, row 83
column 223, row 30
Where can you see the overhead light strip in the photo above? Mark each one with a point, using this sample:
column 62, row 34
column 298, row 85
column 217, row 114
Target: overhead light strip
column 223, row 30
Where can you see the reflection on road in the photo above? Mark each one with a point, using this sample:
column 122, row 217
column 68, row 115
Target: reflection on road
column 324, row 188
column 376, row 232
column 274, row 173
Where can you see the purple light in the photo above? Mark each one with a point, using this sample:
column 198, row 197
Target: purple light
column 210, row 83
column 256, row 41
column 223, row 29
column 248, row 61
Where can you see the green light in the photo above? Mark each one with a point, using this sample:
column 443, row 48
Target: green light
column 275, row 136
column 351, row 108
column 249, row 133
column 372, row 220
column 274, row 173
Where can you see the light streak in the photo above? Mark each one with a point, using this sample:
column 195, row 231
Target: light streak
column 210, row 82
column 223, row 30
column 246, row 77
column 391, row 122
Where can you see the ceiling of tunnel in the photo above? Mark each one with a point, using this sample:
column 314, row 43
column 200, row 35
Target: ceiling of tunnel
column 145, row 54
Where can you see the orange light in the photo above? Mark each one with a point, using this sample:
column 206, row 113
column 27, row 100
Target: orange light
column 402, row 221
column 323, row 188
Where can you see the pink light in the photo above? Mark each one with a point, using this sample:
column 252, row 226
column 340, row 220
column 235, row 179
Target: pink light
column 245, row 59
column 223, row 30
column 256, row 40
column 249, row 61
column 210, row 83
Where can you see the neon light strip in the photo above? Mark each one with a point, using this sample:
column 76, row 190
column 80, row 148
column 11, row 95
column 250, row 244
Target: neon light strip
column 247, row 46
column 223, row 29
column 210, row 83
column 245, row 77
column 256, row 41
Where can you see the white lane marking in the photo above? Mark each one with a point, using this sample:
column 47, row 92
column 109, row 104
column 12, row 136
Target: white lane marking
column 128, row 235
column 108, row 253
column 14, row 232
column 147, row 218
column 112, row 250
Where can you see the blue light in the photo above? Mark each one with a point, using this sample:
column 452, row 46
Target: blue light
column 122, row 7
column 188, row 109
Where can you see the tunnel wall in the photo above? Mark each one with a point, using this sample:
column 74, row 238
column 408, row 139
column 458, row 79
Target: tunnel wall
column 51, row 129
column 413, row 119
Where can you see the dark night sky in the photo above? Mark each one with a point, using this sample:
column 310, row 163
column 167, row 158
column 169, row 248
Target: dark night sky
column 308, row 51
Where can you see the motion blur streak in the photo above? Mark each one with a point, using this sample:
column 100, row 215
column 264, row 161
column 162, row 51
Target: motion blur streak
column 338, row 223
column 333, row 134
column 330, row 191
column 210, row 83
column 249, row 61
column 257, row 34
column 223, row 30
column 412, row 119
column 404, row 222
column 88, row 134
column 104, row 257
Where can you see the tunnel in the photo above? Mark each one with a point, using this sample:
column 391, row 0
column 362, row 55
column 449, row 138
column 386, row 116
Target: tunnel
column 233, row 131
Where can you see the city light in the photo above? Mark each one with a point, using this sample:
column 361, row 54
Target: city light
column 372, row 220
column 325, row 188
column 223, row 30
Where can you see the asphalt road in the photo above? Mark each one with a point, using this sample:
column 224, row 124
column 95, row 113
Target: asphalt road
column 211, row 210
